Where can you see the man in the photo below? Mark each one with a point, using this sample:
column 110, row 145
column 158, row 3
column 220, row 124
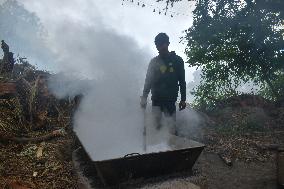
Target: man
column 165, row 76
column 8, row 61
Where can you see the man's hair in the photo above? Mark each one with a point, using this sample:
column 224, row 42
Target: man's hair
column 162, row 38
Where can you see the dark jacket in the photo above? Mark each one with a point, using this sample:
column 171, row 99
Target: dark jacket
column 165, row 75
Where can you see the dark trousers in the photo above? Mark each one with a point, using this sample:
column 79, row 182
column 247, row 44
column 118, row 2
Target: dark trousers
column 169, row 110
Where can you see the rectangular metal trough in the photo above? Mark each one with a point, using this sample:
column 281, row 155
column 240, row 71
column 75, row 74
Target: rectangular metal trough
column 180, row 156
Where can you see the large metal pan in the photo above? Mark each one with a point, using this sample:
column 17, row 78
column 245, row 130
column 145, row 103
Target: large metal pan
column 180, row 156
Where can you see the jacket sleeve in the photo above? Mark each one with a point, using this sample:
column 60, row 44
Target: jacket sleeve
column 148, row 80
column 181, row 79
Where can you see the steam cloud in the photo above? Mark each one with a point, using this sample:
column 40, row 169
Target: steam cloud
column 109, row 121
column 107, row 67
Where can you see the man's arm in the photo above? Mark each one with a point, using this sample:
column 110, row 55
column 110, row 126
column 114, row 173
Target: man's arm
column 148, row 80
column 181, row 79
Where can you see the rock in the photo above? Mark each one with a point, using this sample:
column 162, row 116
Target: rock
column 39, row 152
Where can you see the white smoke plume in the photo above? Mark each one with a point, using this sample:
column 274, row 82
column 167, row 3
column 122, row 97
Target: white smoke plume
column 107, row 67
column 109, row 121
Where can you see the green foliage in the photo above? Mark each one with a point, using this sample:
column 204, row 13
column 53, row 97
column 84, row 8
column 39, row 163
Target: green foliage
column 234, row 42
column 278, row 83
column 210, row 93
column 246, row 126
column 235, row 121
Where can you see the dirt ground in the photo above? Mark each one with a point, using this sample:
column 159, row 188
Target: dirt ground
column 252, row 175
column 42, row 165
column 49, row 164
column 55, row 170
column 252, row 153
column 210, row 172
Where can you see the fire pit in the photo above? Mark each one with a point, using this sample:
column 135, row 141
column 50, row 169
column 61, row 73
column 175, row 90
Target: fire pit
column 180, row 155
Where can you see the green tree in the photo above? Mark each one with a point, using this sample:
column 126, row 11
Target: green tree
column 235, row 42
column 278, row 84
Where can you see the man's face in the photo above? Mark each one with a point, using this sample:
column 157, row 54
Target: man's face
column 163, row 48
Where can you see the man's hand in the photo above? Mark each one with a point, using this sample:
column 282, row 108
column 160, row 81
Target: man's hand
column 182, row 105
column 143, row 102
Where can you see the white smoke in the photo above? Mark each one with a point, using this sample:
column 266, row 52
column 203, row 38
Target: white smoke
column 109, row 121
column 106, row 66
